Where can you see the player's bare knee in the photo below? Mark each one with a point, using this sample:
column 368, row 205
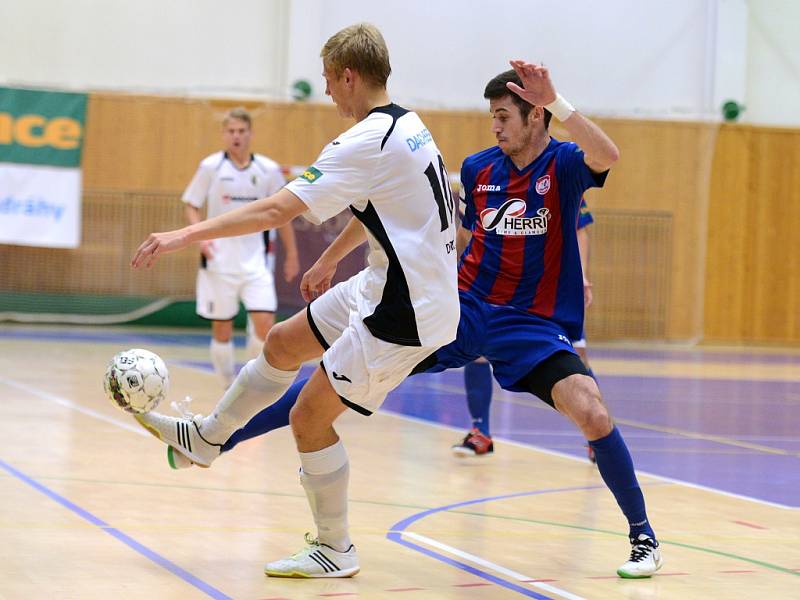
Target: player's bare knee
column 579, row 398
column 278, row 348
column 298, row 417
column 597, row 419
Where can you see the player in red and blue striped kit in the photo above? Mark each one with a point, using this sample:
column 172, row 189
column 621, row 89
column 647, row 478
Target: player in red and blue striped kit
column 520, row 279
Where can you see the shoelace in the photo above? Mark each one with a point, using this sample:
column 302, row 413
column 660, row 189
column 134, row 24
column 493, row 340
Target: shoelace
column 639, row 552
column 182, row 407
column 312, row 543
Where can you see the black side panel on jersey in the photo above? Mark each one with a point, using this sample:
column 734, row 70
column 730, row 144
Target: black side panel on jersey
column 393, row 111
column 394, row 319
column 266, row 241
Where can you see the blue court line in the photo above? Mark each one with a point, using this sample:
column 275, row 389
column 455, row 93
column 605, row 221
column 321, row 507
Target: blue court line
column 113, row 531
column 698, row 355
column 396, row 532
column 118, row 337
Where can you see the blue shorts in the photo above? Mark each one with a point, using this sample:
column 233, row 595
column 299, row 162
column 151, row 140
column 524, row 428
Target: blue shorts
column 512, row 340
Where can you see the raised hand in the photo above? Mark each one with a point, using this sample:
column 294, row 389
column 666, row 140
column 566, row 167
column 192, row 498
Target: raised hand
column 537, row 89
column 157, row 244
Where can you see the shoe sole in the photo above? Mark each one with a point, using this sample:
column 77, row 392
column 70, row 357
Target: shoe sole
column 467, row 453
column 626, row 575
column 171, row 459
column 297, row 575
column 155, row 433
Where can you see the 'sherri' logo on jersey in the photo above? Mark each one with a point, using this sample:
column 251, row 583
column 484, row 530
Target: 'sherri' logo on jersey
column 543, row 185
column 510, row 219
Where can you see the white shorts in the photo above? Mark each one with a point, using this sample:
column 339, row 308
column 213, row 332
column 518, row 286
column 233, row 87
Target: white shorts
column 361, row 368
column 218, row 294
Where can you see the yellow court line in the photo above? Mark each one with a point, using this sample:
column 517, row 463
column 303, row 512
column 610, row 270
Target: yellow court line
column 697, row 370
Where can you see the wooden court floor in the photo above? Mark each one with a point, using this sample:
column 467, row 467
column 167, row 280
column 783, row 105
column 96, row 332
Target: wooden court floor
column 89, row 508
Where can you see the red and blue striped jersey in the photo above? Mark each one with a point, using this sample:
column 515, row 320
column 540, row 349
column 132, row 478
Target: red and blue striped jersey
column 524, row 250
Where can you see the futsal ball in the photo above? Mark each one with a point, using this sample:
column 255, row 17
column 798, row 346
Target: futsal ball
column 136, row 380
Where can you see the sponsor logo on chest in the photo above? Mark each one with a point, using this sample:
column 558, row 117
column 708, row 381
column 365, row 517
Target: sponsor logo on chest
column 510, row 219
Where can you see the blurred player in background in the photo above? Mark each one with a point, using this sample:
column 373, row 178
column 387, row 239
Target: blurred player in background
column 237, row 268
column 478, row 374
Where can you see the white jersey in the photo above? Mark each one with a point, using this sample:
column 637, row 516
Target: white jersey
column 225, row 187
column 388, row 171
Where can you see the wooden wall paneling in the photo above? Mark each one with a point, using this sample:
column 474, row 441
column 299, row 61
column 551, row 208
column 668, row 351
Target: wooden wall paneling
column 726, row 262
column 773, row 213
column 753, row 268
column 733, row 280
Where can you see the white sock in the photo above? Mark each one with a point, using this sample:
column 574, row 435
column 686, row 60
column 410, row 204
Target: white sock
column 325, row 475
column 223, row 360
column 257, row 385
column 255, row 345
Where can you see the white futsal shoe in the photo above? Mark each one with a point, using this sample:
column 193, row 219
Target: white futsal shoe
column 316, row 560
column 645, row 559
column 184, row 437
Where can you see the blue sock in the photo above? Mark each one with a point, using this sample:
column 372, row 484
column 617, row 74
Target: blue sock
column 478, row 384
column 274, row 416
column 616, row 467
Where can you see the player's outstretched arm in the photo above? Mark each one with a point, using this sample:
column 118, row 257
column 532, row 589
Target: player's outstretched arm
column 599, row 150
column 265, row 213
column 317, row 280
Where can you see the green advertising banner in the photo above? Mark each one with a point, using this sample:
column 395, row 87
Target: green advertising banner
column 41, row 128
column 41, row 137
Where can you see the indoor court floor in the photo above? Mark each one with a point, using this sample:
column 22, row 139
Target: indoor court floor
column 90, row 509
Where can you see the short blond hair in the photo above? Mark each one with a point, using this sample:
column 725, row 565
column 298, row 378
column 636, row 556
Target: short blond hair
column 360, row 47
column 238, row 113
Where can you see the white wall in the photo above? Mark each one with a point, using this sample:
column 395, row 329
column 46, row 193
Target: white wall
column 773, row 63
column 616, row 57
column 169, row 46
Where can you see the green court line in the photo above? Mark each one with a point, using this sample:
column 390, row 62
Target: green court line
column 703, row 549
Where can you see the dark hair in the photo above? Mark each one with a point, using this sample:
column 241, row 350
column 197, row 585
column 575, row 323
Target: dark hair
column 496, row 88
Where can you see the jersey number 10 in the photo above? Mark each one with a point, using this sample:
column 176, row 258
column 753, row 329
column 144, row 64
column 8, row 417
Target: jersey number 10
column 440, row 185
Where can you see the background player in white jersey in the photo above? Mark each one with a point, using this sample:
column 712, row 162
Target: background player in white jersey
column 236, row 268
column 373, row 328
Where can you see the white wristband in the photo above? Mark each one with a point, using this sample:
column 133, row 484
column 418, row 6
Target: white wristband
column 560, row 108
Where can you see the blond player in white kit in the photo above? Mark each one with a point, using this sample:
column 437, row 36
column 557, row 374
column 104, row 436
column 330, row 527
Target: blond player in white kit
column 237, row 268
column 371, row 330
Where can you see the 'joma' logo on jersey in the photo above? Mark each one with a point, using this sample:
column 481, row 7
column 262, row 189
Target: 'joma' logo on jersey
column 487, row 187
column 510, row 219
